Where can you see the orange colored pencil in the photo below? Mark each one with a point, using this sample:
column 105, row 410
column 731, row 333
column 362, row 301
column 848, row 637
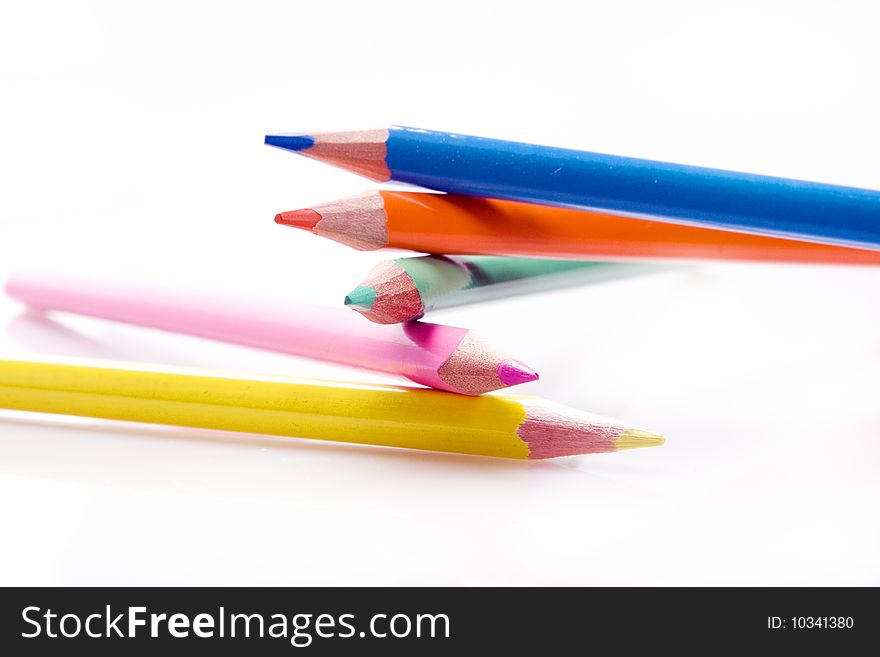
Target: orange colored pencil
column 453, row 224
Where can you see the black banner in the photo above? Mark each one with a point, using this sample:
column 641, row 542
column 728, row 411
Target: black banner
column 116, row 621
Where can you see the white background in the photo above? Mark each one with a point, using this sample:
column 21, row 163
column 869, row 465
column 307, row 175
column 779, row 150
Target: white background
column 131, row 145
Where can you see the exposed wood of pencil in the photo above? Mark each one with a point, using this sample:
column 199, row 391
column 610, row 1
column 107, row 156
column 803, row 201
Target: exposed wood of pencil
column 513, row 427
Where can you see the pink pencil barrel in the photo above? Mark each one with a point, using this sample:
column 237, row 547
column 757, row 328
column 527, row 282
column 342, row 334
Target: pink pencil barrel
column 418, row 351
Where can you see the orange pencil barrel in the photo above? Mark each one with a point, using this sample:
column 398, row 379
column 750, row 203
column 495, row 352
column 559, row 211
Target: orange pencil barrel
column 452, row 224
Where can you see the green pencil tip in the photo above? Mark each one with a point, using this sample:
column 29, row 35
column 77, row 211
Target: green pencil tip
column 361, row 298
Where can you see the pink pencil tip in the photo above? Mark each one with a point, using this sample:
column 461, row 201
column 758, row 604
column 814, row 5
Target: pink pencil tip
column 513, row 372
column 306, row 219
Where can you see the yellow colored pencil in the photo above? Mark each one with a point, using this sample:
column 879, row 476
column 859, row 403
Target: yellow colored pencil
column 504, row 426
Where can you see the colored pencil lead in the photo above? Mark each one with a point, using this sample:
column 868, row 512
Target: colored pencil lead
column 513, row 372
column 635, row 438
column 290, row 142
column 361, row 298
column 306, row 219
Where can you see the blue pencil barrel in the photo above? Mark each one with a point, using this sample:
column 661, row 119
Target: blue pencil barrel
column 677, row 193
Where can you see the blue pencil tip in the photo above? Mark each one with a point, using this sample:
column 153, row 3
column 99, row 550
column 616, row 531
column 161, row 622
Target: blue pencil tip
column 290, row 142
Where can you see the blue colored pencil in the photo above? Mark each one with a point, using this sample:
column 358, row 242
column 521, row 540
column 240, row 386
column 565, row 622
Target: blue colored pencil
column 675, row 193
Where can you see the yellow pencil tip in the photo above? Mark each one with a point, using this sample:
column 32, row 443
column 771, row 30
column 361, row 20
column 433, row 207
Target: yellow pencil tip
column 635, row 438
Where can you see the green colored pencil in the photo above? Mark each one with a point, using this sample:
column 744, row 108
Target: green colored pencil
column 406, row 288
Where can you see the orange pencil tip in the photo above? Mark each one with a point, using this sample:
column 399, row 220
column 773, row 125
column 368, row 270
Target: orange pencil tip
column 306, row 219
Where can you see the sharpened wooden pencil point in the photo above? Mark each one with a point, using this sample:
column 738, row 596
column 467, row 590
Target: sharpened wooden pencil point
column 358, row 222
column 361, row 151
column 552, row 430
column 391, row 296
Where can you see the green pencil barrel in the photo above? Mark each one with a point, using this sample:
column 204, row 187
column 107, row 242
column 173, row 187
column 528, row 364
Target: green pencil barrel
column 447, row 281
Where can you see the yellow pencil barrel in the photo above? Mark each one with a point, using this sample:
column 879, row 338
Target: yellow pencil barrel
column 373, row 414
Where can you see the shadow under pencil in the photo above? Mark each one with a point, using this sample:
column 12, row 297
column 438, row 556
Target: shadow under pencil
column 134, row 456
column 35, row 330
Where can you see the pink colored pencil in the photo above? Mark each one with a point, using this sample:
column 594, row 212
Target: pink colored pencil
column 434, row 355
